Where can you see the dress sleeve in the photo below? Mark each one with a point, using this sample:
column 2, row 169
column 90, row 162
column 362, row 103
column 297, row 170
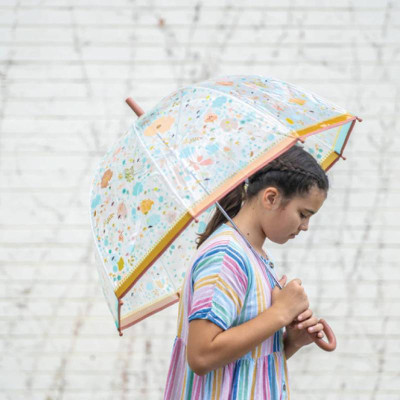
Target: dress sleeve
column 219, row 286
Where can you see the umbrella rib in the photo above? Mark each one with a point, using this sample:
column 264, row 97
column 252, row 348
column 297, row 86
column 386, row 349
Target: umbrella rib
column 186, row 167
column 180, row 161
column 166, row 271
column 317, row 138
column 162, row 174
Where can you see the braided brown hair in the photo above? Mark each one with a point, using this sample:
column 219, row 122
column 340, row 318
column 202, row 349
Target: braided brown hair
column 293, row 173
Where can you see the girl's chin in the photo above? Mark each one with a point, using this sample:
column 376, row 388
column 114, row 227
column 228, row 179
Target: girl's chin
column 280, row 241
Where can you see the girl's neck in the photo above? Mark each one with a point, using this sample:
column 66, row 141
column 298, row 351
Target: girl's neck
column 250, row 228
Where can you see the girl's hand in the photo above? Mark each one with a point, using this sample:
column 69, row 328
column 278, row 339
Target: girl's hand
column 304, row 329
column 289, row 301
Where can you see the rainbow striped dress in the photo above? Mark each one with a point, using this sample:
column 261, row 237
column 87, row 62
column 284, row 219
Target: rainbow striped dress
column 227, row 285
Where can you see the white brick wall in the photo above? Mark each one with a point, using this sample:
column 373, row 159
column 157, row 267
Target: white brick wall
column 66, row 67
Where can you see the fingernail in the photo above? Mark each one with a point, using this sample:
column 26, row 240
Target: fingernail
column 299, row 318
column 310, row 329
column 300, row 326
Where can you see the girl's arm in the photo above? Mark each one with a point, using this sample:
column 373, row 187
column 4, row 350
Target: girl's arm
column 290, row 347
column 210, row 347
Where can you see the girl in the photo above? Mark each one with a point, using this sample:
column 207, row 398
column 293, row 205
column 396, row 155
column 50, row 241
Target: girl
column 231, row 342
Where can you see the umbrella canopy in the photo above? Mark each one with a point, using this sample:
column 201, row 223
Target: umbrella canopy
column 157, row 186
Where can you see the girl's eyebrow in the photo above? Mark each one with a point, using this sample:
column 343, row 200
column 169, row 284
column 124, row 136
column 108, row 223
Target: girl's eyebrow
column 310, row 211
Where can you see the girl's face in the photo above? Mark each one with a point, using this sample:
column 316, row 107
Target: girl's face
column 285, row 221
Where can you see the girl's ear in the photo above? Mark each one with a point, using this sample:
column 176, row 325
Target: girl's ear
column 271, row 198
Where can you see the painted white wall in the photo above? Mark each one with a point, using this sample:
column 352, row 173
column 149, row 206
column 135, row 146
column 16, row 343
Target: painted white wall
column 66, row 67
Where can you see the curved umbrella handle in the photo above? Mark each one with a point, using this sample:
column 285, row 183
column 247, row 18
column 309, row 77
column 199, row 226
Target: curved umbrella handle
column 331, row 344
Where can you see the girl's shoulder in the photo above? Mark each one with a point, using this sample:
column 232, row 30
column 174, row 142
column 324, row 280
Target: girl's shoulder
column 221, row 247
column 224, row 237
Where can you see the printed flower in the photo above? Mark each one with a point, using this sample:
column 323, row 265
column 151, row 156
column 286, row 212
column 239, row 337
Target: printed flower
column 210, row 117
column 260, row 84
column 131, row 260
column 106, row 178
column 186, row 152
column 121, row 264
column 171, row 216
column 224, row 83
column 251, row 85
column 137, row 189
column 145, row 206
column 129, row 173
column 212, row 148
column 228, row 124
column 160, row 284
column 200, row 162
column 160, row 125
column 277, row 107
column 95, row 202
column 290, row 121
column 319, row 150
column 219, row 102
column 122, row 211
column 116, row 152
column 300, row 102
column 109, row 218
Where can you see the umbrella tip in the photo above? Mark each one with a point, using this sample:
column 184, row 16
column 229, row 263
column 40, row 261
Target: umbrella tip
column 359, row 119
column 134, row 106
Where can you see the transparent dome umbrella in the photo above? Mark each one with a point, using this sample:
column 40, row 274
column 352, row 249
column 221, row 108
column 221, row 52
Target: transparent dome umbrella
column 157, row 187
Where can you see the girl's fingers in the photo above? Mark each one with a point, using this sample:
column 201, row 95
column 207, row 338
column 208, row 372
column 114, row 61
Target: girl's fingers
column 283, row 280
column 309, row 323
column 304, row 315
column 315, row 328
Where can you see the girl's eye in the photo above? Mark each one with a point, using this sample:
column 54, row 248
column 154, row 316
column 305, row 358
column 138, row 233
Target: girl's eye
column 302, row 215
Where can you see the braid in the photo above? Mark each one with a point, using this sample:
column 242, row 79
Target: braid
column 279, row 165
column 289, row 167
column 293, row 172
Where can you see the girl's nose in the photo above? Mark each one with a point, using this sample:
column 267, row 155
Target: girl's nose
column 304, row 226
